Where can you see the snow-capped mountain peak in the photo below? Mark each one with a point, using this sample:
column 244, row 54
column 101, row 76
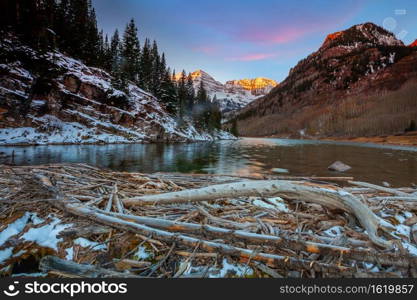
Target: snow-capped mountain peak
column 235, row 94
column 367, row 33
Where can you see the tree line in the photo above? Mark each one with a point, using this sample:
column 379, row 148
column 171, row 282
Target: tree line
column 71, row 27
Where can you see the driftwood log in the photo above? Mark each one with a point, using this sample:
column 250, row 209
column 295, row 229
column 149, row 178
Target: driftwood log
column 298, row 191
column 57, row 266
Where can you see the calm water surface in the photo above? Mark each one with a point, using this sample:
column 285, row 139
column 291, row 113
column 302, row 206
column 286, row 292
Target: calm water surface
column 372, row 163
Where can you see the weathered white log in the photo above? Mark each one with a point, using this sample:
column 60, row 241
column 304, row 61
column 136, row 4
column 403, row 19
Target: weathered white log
column 390, row 199
column 55, row 265
column 116, row 199
column 380, row 188
column 334, row 199
column 110, row 203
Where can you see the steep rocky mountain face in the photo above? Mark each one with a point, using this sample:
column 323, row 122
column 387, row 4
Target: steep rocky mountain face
column 235, row 94
column 360, row 82
column 257, row 87
column 414, row 44
column 49, row 98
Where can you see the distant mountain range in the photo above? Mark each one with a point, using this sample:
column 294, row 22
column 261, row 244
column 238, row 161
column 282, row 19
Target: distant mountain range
column 235, row 94
column 360, row 82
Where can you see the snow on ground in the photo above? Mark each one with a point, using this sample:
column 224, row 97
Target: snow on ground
column 46, row 236
column 70, row 254
column 227, row 270
column 143, row 254
column 84, row 243
column 14, row 228
column 5, row 254
column 271, row 203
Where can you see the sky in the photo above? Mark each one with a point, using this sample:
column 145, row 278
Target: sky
column 236, row 39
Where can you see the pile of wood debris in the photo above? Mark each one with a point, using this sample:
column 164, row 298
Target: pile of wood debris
column 74, row 220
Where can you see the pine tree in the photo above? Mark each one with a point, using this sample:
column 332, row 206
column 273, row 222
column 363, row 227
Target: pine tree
column 131, row 52
column 190, row 94
column 215, row 122
column 107, row 56
column 114, row 53
column 62, row 25
column 169, row 94
column 93, row 44
column 155, row 87
column 182, row 96
column 202, row 109
column 146, row 67
column 78, row 17
column 233, row 129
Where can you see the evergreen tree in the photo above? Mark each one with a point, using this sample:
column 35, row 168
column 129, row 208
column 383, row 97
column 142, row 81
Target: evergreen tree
column 78, row 16
column 190, row 94
column 234, row 129
column 182, row 96
column 169, row 94
column 155, row 87
column 146, row 67
column 114, row 53
column 94, row 42
column 131, row 52
column 215, row 122
column 202, row 109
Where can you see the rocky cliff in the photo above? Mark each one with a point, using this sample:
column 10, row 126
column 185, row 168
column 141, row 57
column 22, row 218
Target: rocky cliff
column 258, row 87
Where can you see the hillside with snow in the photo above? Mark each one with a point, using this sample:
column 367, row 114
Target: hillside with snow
column 50, row 98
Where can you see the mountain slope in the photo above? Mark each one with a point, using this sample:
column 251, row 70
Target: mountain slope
column 235, row 94
column 331, row 91
column 53, row 99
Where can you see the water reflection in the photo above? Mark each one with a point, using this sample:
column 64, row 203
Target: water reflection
column 396, row 165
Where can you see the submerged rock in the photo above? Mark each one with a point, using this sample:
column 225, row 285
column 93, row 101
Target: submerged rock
column 339, row 167
column 280, row 171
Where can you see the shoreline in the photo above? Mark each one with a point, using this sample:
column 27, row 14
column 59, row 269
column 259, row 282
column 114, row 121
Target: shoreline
column 406, row 139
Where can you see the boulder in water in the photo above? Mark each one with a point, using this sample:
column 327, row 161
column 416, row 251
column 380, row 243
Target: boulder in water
column 280, row 171
column 339, row 167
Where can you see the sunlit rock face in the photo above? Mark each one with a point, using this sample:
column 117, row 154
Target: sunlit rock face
column 258, row 87
column 414, row 44
column 235, row 94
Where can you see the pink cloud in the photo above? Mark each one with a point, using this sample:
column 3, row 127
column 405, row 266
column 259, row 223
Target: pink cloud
column 209, row 50
column 252, row 57
column 273, row 36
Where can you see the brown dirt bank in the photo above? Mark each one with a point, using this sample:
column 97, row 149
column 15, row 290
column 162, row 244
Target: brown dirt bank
column 406, row 139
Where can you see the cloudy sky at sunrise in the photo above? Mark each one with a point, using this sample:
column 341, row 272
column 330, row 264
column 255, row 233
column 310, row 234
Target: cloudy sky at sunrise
column 234, row 39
